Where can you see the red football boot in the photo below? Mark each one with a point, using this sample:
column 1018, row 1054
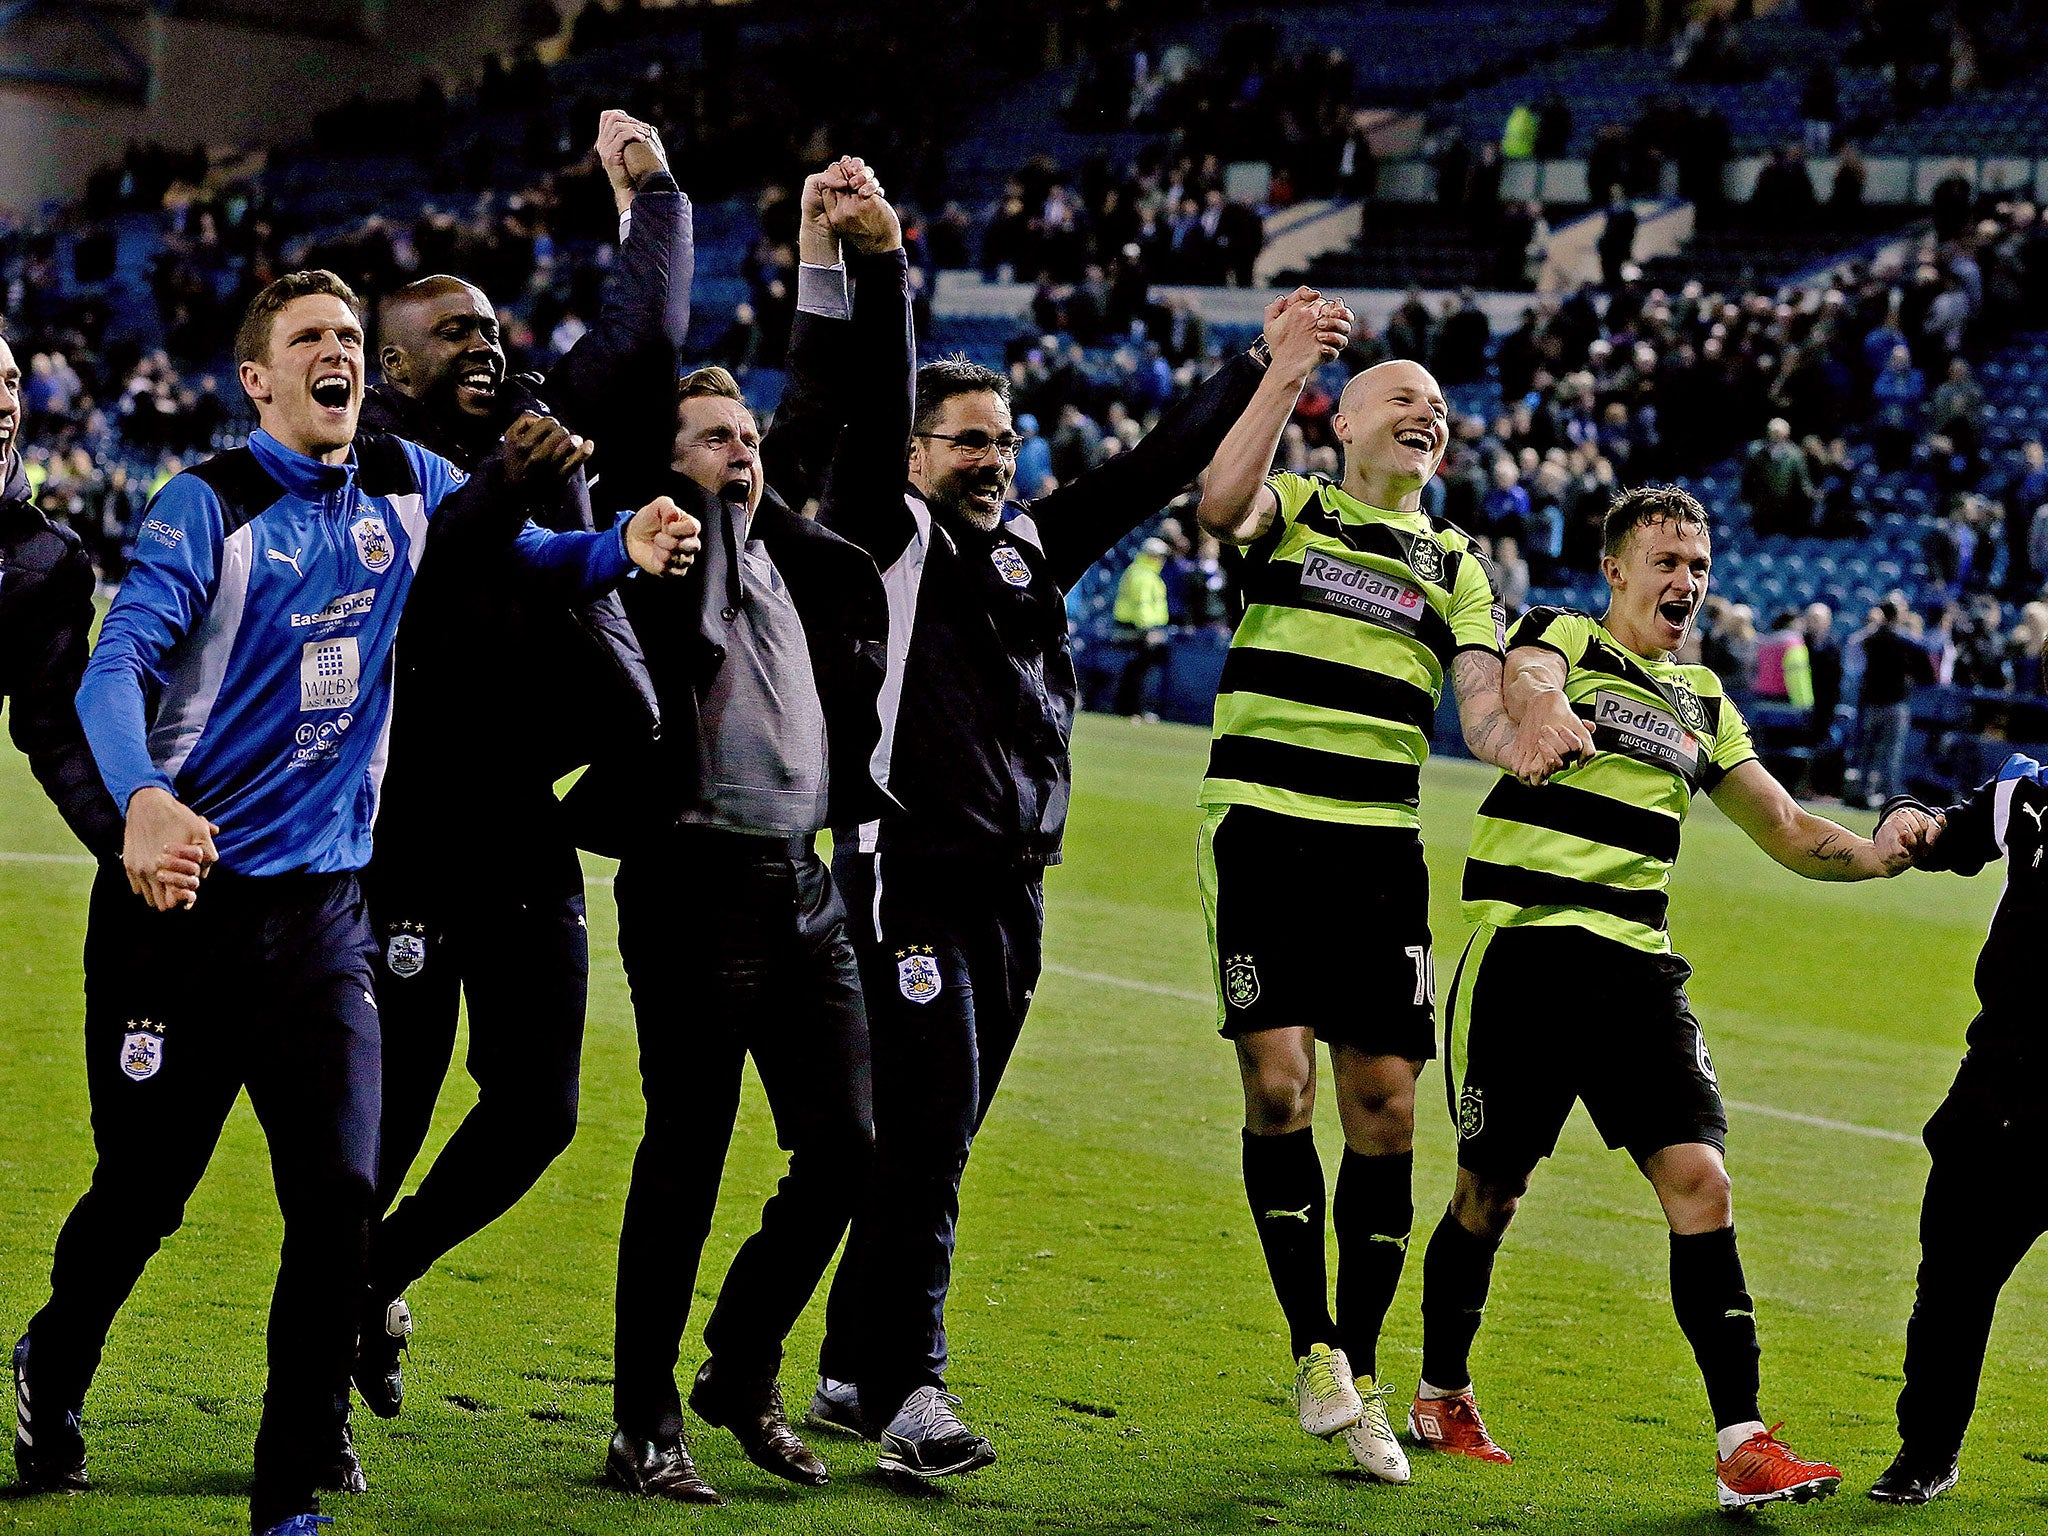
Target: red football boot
column 1763, row 1470
column 1453, row 1424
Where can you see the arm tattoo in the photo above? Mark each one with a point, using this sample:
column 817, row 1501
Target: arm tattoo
column 1473, row 680
column 1834, row 848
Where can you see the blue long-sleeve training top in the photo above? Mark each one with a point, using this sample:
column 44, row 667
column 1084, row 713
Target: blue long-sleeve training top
column 246, row 664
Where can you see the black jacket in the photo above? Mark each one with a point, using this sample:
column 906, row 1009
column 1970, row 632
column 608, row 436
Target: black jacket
column 2006, row 817
column 981, row 705
column 680, row 621
column 46, row 584
column 475, row 634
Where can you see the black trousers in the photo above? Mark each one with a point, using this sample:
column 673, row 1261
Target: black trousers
column 1983, row 1210
column 1148, row 655
column 265, row 984
column 949, row 957
column 734, row 944
column 520, row 952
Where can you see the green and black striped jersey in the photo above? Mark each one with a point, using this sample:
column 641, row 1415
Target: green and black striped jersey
column 1594, row 846
column 1352, row 616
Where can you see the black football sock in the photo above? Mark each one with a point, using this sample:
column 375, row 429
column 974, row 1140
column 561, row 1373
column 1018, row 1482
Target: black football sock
column 1457, row 1270
column 1283, row 1178
column 1719, row 1321
column 1373, row 1212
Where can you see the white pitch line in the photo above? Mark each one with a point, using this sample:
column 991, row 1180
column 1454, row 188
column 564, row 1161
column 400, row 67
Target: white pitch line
column 47, row 858
column 1875, row 1132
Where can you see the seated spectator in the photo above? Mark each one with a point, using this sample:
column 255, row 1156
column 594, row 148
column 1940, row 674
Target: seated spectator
column 1957, row 411
column 1505, row 512
column 1514, row 576
column 1731, row 649
column 1897, row 393
column 2024, row 649
column 1034, row 458
column 1775, row 483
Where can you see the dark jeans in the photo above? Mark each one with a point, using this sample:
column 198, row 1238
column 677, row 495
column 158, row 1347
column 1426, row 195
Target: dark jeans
column 1983, row 1210
column 734, row 944
column 949, row 956
column 521, row 954
column 265, row 984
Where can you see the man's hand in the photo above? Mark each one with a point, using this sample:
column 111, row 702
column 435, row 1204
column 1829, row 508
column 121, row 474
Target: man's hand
column 1303, row 331
column 540, row 451
column 663, row 539
column 1905, row 835
column 1549, row 738
column 166, row 849
column 858, row 213
column 628, row 149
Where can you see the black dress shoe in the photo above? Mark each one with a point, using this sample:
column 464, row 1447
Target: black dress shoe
column 1910, row 1480
column 344, row 1473
column 378, row 1378
column 657, row 1469
column 753, row 1411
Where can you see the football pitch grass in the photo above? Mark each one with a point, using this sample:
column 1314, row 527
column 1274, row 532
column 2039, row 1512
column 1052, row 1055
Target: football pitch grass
column 1112, row 1327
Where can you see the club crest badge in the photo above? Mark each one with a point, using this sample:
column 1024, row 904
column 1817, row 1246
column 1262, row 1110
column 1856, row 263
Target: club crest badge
column 1010, row 566
column 1241, row 981
column 373, row 543
column 1690, row 710
column 405, row 955
column 917, row 973
column 1471, row 1113
column 1426, row 559
column 142, row 1050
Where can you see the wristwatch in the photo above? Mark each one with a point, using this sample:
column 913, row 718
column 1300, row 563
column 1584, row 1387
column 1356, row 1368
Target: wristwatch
column 1260, row 352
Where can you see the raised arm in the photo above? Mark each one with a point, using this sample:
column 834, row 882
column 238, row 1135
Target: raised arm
column 1804, row 843
column 614, row 380
column 1237, row 505
column 42, row 716
column 1081, row 521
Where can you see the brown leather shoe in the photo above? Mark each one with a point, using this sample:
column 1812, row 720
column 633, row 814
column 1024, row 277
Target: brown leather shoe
column 753, row 1411
column 657, row 1469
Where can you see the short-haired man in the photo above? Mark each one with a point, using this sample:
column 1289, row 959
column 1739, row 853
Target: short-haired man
column 448, row 924
column 237, row 708
column 46, row 586
column 947, row 885
column 1566, row 877
column 768, row 661
column 1359, row 607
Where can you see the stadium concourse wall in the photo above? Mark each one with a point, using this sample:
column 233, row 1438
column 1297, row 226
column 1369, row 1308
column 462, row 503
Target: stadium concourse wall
column 1889, row 180
column 222, row 85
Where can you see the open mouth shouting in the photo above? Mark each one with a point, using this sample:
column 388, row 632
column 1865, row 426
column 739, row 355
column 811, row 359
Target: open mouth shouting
column 1676, row 613
column 333, row 392
column 985, row 492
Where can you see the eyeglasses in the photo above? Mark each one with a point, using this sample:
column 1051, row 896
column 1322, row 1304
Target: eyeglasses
column 974, row 444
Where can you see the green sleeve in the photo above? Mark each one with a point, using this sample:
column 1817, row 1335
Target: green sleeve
column 1478, row 619
column 1555, row 629
column 1294, row 491
column 1731, row 747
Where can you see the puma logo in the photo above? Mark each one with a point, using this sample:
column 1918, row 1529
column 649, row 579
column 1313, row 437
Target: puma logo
column 291, row 560
column 1300, row 1215
column 2035, row 812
